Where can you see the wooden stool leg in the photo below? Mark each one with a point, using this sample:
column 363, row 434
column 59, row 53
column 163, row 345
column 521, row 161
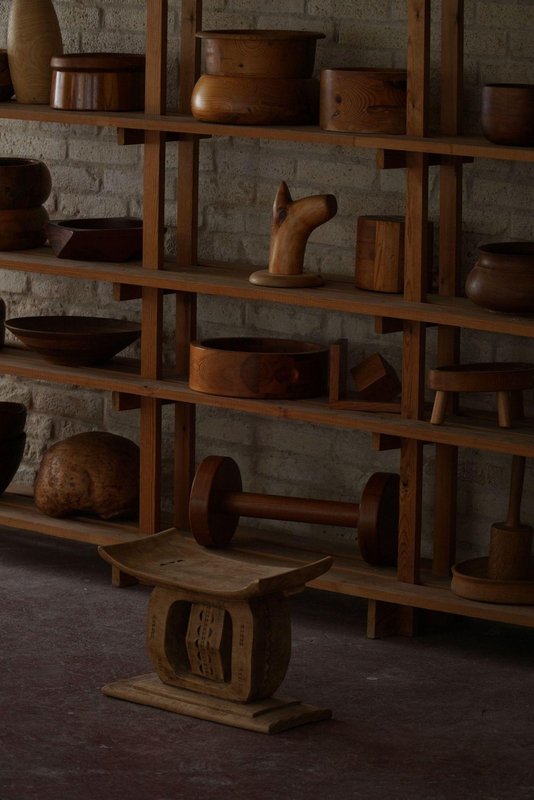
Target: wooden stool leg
column 440, row 406
column 504, row 409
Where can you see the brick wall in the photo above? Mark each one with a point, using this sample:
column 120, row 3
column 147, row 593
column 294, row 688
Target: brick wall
column 93, row 176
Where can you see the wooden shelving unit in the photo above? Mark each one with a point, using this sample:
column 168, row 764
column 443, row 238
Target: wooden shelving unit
column 394, row 594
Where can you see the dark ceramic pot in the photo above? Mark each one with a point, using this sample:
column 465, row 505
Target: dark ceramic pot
column 503, row 278
column 24, row 183
column 11, row 452
column 12, row 420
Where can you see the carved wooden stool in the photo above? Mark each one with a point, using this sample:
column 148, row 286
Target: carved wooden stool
column 219, row 633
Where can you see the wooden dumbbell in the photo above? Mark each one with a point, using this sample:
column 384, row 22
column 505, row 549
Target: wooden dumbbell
column 218, row 500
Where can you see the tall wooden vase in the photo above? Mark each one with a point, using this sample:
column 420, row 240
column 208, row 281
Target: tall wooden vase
column 33, row 37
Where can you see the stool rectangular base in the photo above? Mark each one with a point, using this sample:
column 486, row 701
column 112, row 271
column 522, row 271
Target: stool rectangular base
column 266, row 716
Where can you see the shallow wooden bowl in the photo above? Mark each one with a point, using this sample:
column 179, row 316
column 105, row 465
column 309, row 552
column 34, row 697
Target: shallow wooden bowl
column 255, row 101
column 503, row 278
column 24, row 183
column 258, row 367
column 470, row 579
column 12, row 420
column 363, row 100
column 260, row 53
column 507, row 115
column 11, row 452
column 23, row 228
column 6, row 86
column 74, row 341
column 98, row 82
column 97, row 239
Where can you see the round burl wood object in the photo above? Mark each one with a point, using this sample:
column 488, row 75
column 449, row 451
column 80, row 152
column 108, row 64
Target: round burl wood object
column 94, row 473
column 470, row 579
column 24, row 183
column 11, row 452
column 363, row 100
column 6, row 84
column 258, row 367
column 98, row 82
column 260, row 53
column 507, row 115
column 503, row 278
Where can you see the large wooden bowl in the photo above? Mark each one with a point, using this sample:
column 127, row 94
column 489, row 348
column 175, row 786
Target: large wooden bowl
column 363, row 100
column 11, row 452
column 24, row 183
column 97, row 239
column 74, row 341
column 260, row 53
column 503, row 277
column 255, row 101
column 12, row 419
column 507, row 115
column 258, row 367
column 98, row 82
column 23, row 228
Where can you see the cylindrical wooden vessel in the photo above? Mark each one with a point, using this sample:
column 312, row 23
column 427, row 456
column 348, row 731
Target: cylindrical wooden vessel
column 255, row 101
column 503, row 278
column 33, row 37
column 260, row 53
column 6, row 84
column 258, row 367
column 24, row 183
column 98, row 82
column 23, row 228
column 507, row 115
column 363, row 100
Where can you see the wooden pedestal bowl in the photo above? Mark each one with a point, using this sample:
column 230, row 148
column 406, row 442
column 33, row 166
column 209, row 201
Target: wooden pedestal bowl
column 258, row 368
column 12, row 420
column 98, row 82
column 23, row 228
column 363, row 100
column 260, row 53
column 74, row 341
column 503, row 278
column 507, row 115
column 11, row 452
column 6, row 86
column 106, row 239
column 24, row 183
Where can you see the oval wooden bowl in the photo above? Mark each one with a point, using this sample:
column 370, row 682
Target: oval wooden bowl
column 482, row 377
column 258, row 367
column 503, row 278
column 255, row 101
column 24, row 183
column 23, row 228
column 470, row 580
column 74, row 341
column 98, row 82
column 96, row 239
column 6, row 86
column 507, row 114
column 12, row 420
column 260, row 53
column 363, row 100
column 11, row 452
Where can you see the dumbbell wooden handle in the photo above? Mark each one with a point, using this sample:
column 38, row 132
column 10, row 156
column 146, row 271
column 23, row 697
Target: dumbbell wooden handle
column 291, row 509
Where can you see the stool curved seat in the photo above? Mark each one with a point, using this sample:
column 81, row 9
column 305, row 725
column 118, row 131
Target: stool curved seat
column 169, row 560
column 482, row 377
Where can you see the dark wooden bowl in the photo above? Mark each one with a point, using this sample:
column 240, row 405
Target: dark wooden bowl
column 11, row 452
column 12, row 420
column 24, row 183
column 23, row 228
column 74, row 341
column 97, row 239
column 363, row 100
column 255, row 101
column 503, row 277
column 6, row 86
column 260, row 53
column 507, row 115
column 258, row 367
column 98, row 82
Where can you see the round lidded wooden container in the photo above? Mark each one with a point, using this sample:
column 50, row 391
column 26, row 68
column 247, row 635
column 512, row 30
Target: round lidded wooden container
column 363, row 100
column 98, row 82
column 507, row 115
column 503, row 277
column 260, row 53
column 258, row 367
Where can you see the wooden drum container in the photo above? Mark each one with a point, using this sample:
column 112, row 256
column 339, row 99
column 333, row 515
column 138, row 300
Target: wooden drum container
column 98, row 82
column 363, row 100
column 258, row 367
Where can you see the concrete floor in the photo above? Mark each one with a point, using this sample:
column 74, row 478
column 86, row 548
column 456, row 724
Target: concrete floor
column 446, row 715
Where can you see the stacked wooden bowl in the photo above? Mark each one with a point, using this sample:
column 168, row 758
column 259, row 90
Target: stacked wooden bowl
column 12, row 440
column 25, row 184
column 257, row 77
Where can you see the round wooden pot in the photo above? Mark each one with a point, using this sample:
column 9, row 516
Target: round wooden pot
column 6, row 84
column 503, row 278
column 258, row 367
column 24, row 183
column 98, row 82
column 255, row 101
column 507, row 115
column 260, row 53
column 363, row 100
column 33, row 37
column 23, row 228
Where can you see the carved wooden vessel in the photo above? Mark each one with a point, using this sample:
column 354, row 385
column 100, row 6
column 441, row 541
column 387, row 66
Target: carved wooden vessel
column 503, row 278
column 363, row 100
column 98, row 82
column 507, row 114
column 96, row 239
column 33, row 38
column 24, row 183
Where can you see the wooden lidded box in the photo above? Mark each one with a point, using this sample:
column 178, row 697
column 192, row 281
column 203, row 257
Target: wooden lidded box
column 98, row 82
column 363, row 100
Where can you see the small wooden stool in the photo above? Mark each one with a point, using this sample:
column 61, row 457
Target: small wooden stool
column 219, row 633
column 508, row 380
